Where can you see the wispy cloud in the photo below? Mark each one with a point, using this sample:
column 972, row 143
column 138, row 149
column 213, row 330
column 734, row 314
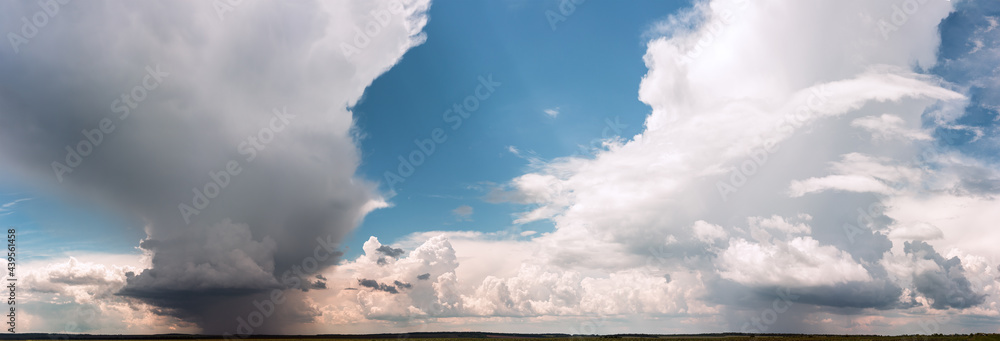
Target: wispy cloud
column 553, row 112
column 534, row 160
column 7, row 206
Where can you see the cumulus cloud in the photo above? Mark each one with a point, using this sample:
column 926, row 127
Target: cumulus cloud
column 795, row 159
column 776, row 143
column 801, row 159
column 190, row 120
column 529, row 290
column 706, row 232
column 414, row 285
column 797, row 263
column 79, row 295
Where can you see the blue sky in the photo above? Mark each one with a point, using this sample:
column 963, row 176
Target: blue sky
column 963, row 36
column 539, row 69
column 53, row 227
column 634, row 167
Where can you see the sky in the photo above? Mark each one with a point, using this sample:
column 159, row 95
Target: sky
column 551, row 166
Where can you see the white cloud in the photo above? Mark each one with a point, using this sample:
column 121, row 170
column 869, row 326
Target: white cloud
column 964, row 222
column 918, row 231
column 707, row 112
column 632, row 223
column 889, row 126
column 437, row 290
column 78, row 295
column 728, row 84
column 801, row 262
column 553, row 112
column 848, row 183
column 706, row 232
column 721, row 88
column 858, row 173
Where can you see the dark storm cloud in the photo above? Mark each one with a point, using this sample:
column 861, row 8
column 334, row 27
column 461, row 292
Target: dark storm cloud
column 879, row 294
column 389, row 251
column 425, row 276
column 945, row 287
column 151, row 121
column 373, row 284
column 318, row 285
column 402, row 285
column 368, row 283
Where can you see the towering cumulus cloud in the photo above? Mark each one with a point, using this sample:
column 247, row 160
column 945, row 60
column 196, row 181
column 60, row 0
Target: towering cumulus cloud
column 797, row 152
column 823, row 166
column 224, row 126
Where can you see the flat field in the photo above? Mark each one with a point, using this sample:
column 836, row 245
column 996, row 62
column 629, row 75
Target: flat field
column 522, row 337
